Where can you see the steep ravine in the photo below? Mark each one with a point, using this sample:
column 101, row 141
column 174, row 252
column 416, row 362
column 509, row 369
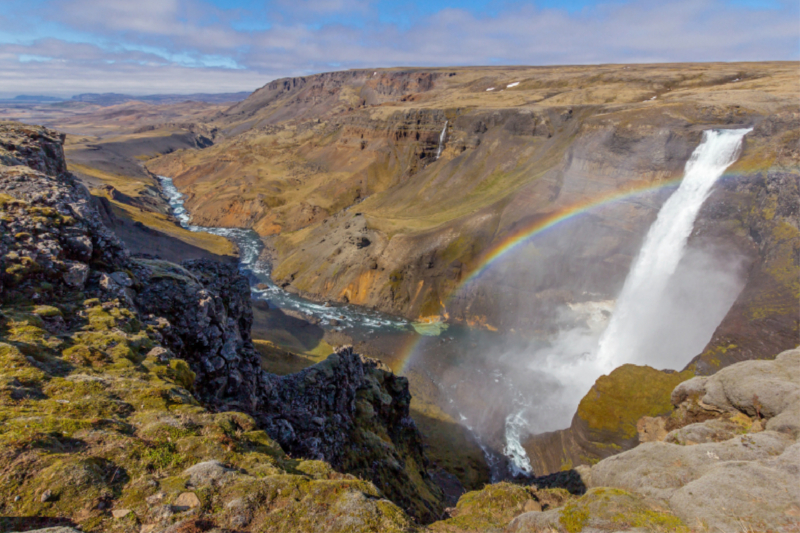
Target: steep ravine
column 355, row 206
column 296, row 160
column 131, row 400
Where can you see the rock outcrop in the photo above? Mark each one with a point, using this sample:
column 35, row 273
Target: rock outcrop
column 207, row 307
column 607, row 420
column 117, row 373
column 743, row 477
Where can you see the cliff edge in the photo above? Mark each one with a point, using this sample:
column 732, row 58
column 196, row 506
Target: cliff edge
column 131, row 398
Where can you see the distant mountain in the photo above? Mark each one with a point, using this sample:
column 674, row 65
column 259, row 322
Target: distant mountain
column 106, row 99
column 32, row 99
column 109, row 99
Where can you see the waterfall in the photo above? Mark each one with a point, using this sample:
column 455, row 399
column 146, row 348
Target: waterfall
column 663, row 248
column 441, row 140
column 644, row 311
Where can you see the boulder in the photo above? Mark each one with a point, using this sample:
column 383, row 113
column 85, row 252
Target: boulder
column 206, row 473
column 726, row 472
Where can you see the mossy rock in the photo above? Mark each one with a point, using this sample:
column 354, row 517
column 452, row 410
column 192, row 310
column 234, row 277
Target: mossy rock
column 602, row 509
column 616, row 402
column 314, row 469
column 47, row 311
column 489, row 509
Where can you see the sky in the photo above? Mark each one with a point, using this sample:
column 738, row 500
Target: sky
column 67, row 47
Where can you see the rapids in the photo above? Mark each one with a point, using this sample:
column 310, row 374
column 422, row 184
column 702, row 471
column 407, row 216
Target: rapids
column 257, row 271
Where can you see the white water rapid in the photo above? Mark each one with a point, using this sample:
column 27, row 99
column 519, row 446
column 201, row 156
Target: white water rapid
column 442, row 137
column 258, row 272
column 663, row 249
column 644, row 314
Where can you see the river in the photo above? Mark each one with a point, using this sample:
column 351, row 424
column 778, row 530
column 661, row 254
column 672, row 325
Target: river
column 257, row 270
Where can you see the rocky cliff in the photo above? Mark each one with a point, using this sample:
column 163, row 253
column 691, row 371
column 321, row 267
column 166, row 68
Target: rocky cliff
column 119, row 373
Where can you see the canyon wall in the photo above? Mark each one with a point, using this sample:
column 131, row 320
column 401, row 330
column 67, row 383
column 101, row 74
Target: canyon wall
column 350, row 197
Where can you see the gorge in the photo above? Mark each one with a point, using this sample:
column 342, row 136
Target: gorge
column 538, row 282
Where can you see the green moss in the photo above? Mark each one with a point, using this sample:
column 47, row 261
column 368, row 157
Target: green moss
column 181, row 373
column 573, row 517
column 492, row 507
column 162, row 455
column 651, row 520
column 613, row 509
column 617, row 401
column 109, row 316
column 6, row 200
column 314, row 469
column 47, row 311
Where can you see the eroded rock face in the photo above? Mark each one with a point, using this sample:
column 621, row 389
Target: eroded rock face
column 51, row 235
column 207, row 305
column 347, row 410
column 110, row 355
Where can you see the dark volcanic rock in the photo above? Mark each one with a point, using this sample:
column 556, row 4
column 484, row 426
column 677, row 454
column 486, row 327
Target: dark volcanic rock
column 346, row 410
column 207, row 305
column 54, row 247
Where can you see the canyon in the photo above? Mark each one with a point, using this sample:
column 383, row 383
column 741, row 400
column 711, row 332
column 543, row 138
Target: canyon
column 400, row 189
column 468, row 229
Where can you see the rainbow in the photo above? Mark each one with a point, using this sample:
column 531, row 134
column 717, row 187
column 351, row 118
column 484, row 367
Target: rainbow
column 520, row 236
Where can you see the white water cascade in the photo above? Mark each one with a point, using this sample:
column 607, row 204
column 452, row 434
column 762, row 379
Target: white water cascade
column 644, row 312
column 442, row 137
column 663, row 248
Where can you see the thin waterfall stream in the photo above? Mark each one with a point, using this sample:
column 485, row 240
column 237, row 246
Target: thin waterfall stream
column 442, row 137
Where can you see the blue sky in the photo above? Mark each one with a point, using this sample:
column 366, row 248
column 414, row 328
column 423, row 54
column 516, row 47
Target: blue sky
column 65, row 47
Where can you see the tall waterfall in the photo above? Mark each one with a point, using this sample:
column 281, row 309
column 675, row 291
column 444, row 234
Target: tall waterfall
column 441, row 140
column 663, row 248
column 648, row 326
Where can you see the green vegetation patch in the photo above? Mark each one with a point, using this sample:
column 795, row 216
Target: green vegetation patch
column 617, row 401
column 492, row 507
column 614, row 509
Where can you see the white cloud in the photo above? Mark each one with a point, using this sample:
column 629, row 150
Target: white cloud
column 126, row 73
column 314, row 35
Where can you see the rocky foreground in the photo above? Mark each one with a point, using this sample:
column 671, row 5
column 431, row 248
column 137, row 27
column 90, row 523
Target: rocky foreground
column 132, row 400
